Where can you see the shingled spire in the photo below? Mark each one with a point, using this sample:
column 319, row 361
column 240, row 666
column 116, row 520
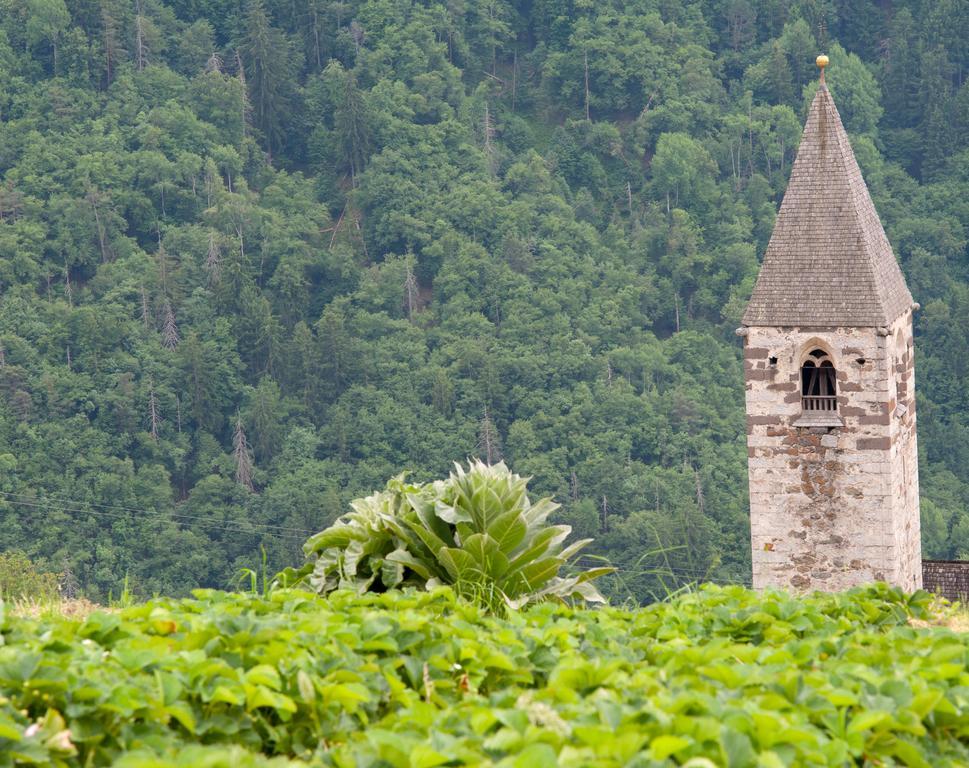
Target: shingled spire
column 828, row 263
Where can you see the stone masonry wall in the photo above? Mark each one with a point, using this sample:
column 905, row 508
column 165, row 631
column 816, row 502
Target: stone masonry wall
column 833, row 506
column 904, row 459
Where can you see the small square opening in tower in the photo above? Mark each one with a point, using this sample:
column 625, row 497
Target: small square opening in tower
column 772, row 360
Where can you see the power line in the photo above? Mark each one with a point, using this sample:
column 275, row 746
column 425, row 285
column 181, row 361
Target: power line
column 658, row 571
column 137, row 510
column 212, row 525
column 661, row 571
column 288, row 533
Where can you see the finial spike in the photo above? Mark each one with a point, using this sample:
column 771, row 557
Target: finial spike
column 822, row 62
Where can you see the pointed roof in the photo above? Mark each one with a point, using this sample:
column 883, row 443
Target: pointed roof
column 828, row 262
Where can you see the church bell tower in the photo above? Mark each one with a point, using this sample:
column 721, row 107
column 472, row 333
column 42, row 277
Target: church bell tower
column 830, row 385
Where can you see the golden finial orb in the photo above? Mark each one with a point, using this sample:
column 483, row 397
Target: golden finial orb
column 822, row 62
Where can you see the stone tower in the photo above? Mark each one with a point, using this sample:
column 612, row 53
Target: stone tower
column 829, row 373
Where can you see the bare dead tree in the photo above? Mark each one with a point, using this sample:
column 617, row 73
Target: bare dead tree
column 358, row 34
column 145, row 308
column 242, row 454
column 573, row 486
column 178, row 413
column 316, row 36
column 246, row 104
column 153, row 419
column 489, row 441
column 514, row 80
column 488, row 128
column 209, row 179
column 141, row 48
column 214, row 63
column 411, row 295
column 213, row 259
column 93, row 198
column 700, row 502
column 68, row 288
column 68, row 583
column 169, row 328
column 161, row 256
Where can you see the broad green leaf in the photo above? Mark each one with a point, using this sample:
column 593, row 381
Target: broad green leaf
column 508, row 531
column 391, row 572
column 182, row 712
column 459, row 564
column 451, row 514
column 910, row 754
column 404, row 557
column 337, row 536
column 535, row 574
column 865, row 721
column 536, row 756
column 422, row 756
column 574, row 548
column 9, row 729
column 488, row 557
column 263, row 674
column 234, row 696
column 486, row 506
column 662, row 747
column 260, row 696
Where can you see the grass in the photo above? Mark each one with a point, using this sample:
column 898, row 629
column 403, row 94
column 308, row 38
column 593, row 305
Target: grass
column 942, row 613
column 46, row 608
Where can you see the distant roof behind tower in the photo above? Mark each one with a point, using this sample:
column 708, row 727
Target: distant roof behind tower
column 828, row 262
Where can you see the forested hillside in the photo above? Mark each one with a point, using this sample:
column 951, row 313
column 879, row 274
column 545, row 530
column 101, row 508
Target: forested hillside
column 257, row 257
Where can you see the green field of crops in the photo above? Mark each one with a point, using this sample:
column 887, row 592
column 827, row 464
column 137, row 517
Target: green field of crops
column 414, row 680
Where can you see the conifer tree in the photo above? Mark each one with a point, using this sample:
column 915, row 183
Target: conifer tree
column 268, row 73
column 110, row 39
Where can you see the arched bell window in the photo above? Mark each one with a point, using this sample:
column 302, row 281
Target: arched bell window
column 819, row 383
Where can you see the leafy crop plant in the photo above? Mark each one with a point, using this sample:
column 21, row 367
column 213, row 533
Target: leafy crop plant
column 477, row 531
column 412, row 679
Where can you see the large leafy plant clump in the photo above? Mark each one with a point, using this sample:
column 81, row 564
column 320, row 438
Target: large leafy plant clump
column 477, row 531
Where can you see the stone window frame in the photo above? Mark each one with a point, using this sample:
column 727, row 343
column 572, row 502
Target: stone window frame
column 824, row 405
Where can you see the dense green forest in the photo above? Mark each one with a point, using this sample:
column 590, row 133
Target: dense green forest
column 258, row 256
